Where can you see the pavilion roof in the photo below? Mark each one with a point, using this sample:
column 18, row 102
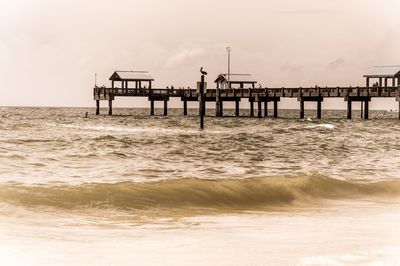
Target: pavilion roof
column 236, row 78
column 131, row 76
column 383, row 72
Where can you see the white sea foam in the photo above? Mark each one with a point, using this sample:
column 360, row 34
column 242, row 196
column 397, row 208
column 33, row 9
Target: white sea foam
column 327, row 126
column 148, row 130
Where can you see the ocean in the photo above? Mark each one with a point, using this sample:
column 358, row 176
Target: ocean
column 131, row 189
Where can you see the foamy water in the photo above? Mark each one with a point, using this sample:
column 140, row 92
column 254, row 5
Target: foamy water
column 132, row 189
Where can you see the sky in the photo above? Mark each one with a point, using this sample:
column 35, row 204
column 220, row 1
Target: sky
column 50, row 50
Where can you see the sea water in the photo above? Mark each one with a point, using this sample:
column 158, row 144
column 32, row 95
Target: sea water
column 137, row 190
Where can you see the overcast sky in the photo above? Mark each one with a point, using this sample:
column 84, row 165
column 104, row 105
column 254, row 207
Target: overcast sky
column 50, row 49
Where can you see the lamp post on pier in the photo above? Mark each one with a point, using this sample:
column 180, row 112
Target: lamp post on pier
column 229, row 49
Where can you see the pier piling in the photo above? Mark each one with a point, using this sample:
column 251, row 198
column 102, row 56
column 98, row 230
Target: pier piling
column 301, row 109
column 349, row 109
column 110, row 107
column 362, row 109
column 185, row 108
column 319, row 109
column 201, row 102
column 251, row 107
column 266, row 109
column 237, row 108
column 97, row 107
column 366, row 109
column 218, row 103
column 259, row 107
column 275, row 109
column 151, row 107
column 165, row 107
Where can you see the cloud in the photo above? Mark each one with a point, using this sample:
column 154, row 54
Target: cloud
column 340, row 62
column 183, row 56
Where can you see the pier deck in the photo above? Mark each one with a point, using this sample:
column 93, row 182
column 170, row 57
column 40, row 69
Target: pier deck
column 254, row 95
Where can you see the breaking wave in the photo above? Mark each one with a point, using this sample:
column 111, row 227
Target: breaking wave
column 227, row 194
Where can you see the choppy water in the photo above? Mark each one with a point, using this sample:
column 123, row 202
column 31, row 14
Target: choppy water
column 59, row 170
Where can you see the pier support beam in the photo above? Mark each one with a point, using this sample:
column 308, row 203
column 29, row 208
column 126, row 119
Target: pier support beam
column 259, row 109
column 165, row 107
column 185, row 111
column 349, row 111
column 202, row 101
column 221, row 109
column 97, row 107
column 301, row 109
column 319, row 109
column 251, row 108
column 362, row 109
column 218, row 103
column 366, row 110
column 276, row 109
column 151, row 107
column 218, row 108
column 110, row 107
column 265, row 109
column 237, row 108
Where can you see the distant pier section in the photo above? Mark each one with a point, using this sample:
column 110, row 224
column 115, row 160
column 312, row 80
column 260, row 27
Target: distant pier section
column 381, row 82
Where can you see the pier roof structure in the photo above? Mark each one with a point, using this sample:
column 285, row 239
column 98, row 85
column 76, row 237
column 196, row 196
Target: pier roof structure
column 138, row 77
column 383, row 72
column 131, row 76
column 236, row 79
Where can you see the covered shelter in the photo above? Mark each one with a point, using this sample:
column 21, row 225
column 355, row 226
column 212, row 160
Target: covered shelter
column 139, row 78
column 235, row 79
column 383, row 74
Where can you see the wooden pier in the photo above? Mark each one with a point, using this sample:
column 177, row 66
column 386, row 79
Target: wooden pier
column 255, row 96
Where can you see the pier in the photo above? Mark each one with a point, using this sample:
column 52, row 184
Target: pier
column 387, row 85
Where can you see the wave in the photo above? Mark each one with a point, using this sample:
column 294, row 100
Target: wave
column 326, row 126
column 224, row 194
column 146, row 130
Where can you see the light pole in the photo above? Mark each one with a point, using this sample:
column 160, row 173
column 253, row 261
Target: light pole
column 228, row 49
